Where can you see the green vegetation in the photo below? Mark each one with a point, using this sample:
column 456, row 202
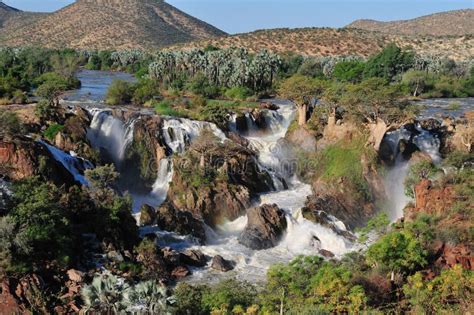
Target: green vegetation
column 227, row 297
column 119, row 93
column 418, row 171
column 42, row 225
column 377, row 225
column 340, row 161
column 10, row 123
column 349, row 71
column 52, row 131
column 164, row 108
column 450, row 292
column 390, row 62
column 107, row 295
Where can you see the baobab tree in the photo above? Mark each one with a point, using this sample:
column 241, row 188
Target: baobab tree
column 302, row 91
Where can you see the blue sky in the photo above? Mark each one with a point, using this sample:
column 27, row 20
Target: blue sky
column 238, row 16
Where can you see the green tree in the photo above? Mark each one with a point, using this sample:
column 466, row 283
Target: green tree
column 349, row 71
column 388, row 63
column 451, row 292
column 120, row 92
column 10, row 123
column 399, row 251
column 416, row 81
column 228, row 294
column 333, row 290
column 288, row 286
column 37, row 209
column 302, row 91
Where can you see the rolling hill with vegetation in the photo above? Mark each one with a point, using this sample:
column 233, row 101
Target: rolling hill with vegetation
column 339, row 42
column 456, row 23
column 110, row 24
column 12, row 18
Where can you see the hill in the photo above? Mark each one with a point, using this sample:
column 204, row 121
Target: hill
column 342, row 42
column 6, row 12
column 13, row 19
column 459, row 22
column 111, row 24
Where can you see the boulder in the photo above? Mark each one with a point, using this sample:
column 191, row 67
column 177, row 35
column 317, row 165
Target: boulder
column 180, row 272
column 171, row 257
column 115, row 256
column 220, row 264
column 266, row 224
column 241, row 124
column 432, row 200
column 325, row 253
column 147, row 215
column 258, row 117
column 75, row 275
column 318, row 207
column 168, row 218
column 302, row 139
column 268, row 106
column 449, row 255
column 195, row 258
column 430, row 124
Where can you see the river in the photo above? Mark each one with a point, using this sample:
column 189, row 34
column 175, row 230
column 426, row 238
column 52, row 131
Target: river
column 302, row 236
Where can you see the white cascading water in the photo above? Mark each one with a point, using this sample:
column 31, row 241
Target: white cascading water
column 110, row 133
column 5, row 193
column 302, row 237
column 75, row 165
column 395, row 180
column 177, row 132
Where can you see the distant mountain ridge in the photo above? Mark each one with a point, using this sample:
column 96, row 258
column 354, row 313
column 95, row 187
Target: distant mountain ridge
column 339, row 42
column 458, row 22
column 111, row 24
column 12, row 18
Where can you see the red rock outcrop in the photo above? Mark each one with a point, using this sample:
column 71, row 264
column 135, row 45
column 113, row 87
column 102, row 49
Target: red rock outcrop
column 22, row 157
column 432, row 200
column 449, row 255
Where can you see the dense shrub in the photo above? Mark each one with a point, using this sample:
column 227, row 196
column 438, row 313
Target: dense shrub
column 145, row 91
column 349, row 71
column 398, row 251
column 10, row 123
column 390, row 62
column 119, row 93
column 37, row 210
column 200, row 85
column 450, row 292
column 52, row 131
column 165, row 108
column 238, row 93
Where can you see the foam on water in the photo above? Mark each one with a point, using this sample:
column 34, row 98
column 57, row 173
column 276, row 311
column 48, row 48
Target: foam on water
column 302, row 237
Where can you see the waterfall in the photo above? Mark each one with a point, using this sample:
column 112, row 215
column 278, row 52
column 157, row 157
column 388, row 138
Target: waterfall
column 75, row 165
column 111, row 134
column 272, row 156
column 426, row 142
column 179, row 132
column 302, row 237
column 5, row 194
